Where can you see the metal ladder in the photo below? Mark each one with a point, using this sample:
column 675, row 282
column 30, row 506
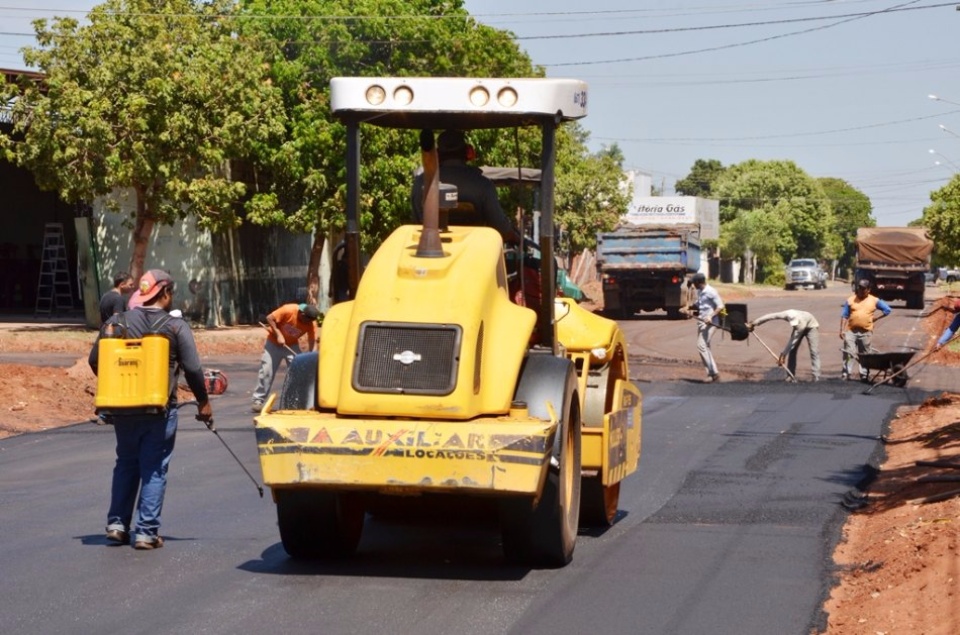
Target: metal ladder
column 54, row 291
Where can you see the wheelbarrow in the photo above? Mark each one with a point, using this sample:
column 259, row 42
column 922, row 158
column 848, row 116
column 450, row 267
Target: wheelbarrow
column 884, row 366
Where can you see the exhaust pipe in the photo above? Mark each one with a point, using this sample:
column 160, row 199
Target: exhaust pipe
column 430, row 245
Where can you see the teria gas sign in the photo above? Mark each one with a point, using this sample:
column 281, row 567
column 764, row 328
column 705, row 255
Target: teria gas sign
column 675, row 210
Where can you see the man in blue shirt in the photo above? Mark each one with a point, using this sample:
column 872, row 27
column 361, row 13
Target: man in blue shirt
column 708, row 308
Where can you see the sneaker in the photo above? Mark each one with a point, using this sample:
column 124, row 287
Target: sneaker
column 148, row 543
column 257, row 406
column 714, row 378
column 118, row 537
column 844, row 376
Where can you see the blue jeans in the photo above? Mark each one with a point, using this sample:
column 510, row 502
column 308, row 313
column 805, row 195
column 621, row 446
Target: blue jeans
column 144, row 446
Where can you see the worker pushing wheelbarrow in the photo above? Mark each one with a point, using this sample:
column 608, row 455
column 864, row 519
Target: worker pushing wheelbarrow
column 857, row 319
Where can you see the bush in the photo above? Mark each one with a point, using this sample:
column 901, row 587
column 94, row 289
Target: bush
column 775, row 278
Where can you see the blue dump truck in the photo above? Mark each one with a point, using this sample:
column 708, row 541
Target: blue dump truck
column 645, row 268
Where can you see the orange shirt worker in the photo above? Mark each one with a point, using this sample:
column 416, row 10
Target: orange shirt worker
column 287, row 324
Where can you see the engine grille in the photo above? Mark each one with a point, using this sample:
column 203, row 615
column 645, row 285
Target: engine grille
column 407, row 358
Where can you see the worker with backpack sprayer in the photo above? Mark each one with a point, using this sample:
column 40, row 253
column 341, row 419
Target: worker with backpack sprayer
column 137, row 359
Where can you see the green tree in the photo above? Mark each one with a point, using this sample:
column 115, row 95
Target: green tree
column 784, row 191
column 756, row 236
column 301, row 179
column 155, row 97
column 590, row 196
column 851, row 210
column 699, row 182
column 942, row 220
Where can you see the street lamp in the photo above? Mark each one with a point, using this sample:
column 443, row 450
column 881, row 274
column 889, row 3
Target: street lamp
column 949, row 131
column 941, row 164
column 946, row 101
column 955, row 166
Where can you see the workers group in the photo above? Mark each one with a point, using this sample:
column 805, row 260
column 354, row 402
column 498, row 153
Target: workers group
column 858, row 315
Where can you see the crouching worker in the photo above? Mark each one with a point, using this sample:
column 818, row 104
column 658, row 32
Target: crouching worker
column 805, row 326
column 145, row 439
column 285, row 326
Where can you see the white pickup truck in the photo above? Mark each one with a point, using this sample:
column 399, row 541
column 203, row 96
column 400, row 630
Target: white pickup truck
column 804, row 272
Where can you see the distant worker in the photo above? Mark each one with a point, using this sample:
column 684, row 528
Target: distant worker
column 115, row 300
column 286, row 325
column 708, row 309
column 951, row 330
column 856, row 326
column 473, row 188
column 805, row 326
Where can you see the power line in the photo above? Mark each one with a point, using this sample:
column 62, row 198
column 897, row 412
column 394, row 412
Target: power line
column 740, row 44
column 713, row 27
column 791, row 134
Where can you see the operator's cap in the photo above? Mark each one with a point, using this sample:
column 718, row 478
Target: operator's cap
column 452, row 142
column 311, row 312
column 152, row 283
column 698, row 278
column 863, row 284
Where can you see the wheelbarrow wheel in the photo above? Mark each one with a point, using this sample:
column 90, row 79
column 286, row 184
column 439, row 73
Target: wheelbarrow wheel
column 900, row 380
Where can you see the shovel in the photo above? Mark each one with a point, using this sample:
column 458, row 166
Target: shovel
column 292, row 352
column 775, row 356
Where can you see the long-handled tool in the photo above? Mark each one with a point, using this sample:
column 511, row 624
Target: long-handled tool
column 910, row 365
column 774, row 355
column 212, row 428
column 292, row 352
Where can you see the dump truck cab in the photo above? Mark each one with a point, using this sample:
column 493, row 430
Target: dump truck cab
column 430, row 382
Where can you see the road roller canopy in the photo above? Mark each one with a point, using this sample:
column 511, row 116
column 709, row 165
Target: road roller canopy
column 456, row 102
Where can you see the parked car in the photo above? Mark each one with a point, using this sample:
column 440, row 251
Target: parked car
column 804, row 272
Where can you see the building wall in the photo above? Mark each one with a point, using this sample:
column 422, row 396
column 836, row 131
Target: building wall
column 227, row 278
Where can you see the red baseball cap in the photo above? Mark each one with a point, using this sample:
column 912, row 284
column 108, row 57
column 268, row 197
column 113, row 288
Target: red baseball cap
column 152, row 283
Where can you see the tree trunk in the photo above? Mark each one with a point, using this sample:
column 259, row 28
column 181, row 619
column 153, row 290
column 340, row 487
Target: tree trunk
column 313, row 269
column 142, row 228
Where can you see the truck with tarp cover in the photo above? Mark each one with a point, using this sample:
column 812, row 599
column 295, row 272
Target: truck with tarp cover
column 895, row 261
column 430, row 384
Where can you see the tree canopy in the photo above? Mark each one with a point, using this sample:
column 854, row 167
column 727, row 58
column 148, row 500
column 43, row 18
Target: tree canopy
column 942, row 220
column 851, row 211
column 302, row 180
column 155, row 98
column 700, row 181
column 784, row 204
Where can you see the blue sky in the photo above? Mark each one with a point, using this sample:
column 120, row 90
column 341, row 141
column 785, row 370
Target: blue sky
column 840, row 87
